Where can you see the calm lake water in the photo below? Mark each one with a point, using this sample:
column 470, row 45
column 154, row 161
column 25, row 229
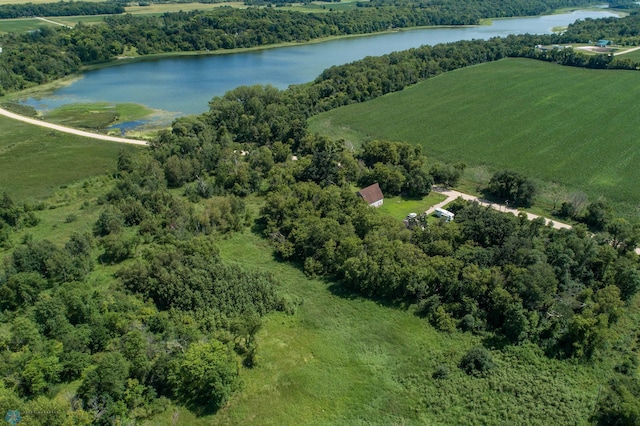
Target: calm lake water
column 185, row 85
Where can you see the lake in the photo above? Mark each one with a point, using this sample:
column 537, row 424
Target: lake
column 185, row 84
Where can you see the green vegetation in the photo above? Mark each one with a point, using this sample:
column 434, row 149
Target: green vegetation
column 351, row 360
column 400, row 207
column 22, row 25
column 574, row 126
column 96, row 115
column 35, row 161
column 634, row 56
column 76, row 8
column 67, row 50
column 185, row 286
column 160, row 8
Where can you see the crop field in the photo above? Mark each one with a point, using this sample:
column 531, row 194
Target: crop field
column 574, row 126
column 35, row 161
column 22, row 25
column 176, row 7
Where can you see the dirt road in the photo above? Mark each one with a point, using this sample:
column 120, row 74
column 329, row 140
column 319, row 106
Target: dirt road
column 452, row 195
column 628, row 51
column 69, row 130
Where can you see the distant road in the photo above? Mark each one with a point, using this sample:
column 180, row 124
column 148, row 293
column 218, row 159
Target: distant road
column 628, row 51
column 69, row 129
column 52, row 22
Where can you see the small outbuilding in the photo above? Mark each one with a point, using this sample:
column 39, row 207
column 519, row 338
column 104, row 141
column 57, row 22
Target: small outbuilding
column 372, row 194
column 445, row 214
column 603, row 43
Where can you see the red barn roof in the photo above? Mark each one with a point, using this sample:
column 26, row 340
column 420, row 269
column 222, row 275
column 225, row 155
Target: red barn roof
column 371, row 194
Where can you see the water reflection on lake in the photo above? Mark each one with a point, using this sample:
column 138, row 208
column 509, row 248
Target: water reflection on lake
column 185, row 85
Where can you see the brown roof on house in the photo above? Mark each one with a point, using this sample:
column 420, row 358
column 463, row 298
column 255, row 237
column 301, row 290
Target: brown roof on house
column 371, row 193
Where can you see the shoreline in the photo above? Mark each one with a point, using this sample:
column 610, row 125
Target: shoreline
column 47, row 89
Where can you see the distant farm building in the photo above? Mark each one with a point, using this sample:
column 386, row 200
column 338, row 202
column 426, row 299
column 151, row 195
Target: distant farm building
column 553, row 47
column 603, row 43
column 372, row 194
column 445, row 214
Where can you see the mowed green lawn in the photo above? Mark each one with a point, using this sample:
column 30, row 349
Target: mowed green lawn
column 575, row 126
column 34, row 161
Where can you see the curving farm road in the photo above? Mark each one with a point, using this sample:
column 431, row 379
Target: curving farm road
column 69, row 130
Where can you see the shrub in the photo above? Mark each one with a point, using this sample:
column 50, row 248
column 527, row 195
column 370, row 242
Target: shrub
column 441, row 372
column 477, row 361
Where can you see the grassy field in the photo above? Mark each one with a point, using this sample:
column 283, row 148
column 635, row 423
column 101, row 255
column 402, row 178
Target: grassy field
column 35, row 161
column 22, row 25
column 400, row 207
column 30, row 24
column 341, row 359
column 176, row 7
column 557, row 124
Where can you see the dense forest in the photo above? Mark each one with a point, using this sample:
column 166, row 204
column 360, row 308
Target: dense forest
column 75, row 8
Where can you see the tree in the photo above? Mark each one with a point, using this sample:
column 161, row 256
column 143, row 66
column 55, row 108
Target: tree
column 107, row 380
column 390, row 178
column 477, row 361
column 206, row 375
column 418, row 183
column 447, row 174
column 512, row 187
column 110, row 221
column 325, row 165
column 598, row 215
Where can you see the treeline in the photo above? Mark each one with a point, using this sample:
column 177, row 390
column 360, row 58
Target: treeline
column 624, row 4
column 62, row 8
column 176, row 332
column 484, row 8
column 621, row 31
